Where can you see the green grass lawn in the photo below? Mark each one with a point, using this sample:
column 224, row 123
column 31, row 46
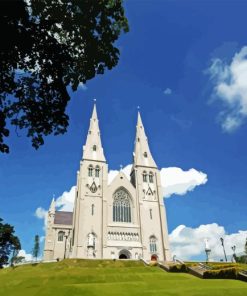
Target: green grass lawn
column 95, row 277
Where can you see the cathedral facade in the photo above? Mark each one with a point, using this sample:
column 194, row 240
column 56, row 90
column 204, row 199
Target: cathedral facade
column 123, row 219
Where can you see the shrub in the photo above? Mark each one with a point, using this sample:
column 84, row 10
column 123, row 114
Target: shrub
column 178, row 268
column 226, row 273
column 153, row 263
column 242, row 259
column 216, row 266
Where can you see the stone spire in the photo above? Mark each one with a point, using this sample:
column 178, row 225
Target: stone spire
column 142, row 154
column 93, row 149
column 52, row 208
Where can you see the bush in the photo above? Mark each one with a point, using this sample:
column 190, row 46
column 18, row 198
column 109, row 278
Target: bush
column 226, row 273
column 178, row 268
column 153, row 263
column 216, row 266
column 241, row 259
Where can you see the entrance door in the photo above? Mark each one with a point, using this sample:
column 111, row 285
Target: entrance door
column 154, row 257
column 124, row 254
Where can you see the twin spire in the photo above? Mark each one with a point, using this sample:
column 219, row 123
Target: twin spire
column 93, row 149
column 142, row 154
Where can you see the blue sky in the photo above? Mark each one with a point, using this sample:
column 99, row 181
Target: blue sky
column 184, row 64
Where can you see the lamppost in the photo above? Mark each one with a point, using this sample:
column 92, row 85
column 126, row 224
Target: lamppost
column 222, row 243
column 207, row 249
column 234, row 254
column 234, row 249
column 66, row 237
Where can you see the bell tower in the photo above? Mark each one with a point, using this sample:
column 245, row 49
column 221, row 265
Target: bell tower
column 88, row 221
column 145, row 176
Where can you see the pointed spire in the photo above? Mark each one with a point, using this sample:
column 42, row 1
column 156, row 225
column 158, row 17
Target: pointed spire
column 142, row 154
column 93, row 149
column 52, row 208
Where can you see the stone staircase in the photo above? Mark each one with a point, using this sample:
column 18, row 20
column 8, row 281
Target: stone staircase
column 199, row 269
column 242, row 275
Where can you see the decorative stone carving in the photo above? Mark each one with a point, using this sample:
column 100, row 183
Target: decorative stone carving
column 125, row 236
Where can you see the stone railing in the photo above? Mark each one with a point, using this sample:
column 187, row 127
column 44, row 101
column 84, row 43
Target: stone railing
column 123, row 236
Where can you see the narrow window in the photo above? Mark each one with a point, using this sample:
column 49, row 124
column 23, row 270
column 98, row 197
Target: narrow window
column 60, row 236
column 144, row 176
column 94, row 147
column 97, row 172
column 92, row 209
column 90, row 171
column 151, row 177
column 152, row 244
column 151, row 213
column 145, row 154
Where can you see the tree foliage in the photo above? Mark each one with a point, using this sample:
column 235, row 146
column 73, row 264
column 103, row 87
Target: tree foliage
column 36, row 247
column 47, row 46
column 9, row 243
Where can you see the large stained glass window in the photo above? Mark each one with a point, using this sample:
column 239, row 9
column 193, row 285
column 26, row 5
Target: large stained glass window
column 121, row 206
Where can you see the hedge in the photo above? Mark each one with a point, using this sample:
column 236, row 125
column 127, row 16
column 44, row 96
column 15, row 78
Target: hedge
column 226, row 273
column 178, row 268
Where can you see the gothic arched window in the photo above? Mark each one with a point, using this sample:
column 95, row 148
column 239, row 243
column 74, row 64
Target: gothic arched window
column 145, row 154
column 60, row 236
column 97, row 172
column 151, row 177
column 94, row 148
column 153, row 244
column 90, row 171
column 144, row 176
column 121, row 206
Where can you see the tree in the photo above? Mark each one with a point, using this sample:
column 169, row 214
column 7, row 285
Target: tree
column 47, row 46
column 17, row 259
column 36, row 248
column 9, row 243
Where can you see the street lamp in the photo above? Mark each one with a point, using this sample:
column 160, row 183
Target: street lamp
column 66, row 236
column 234, row 249
column 207, row 249
column 234, row 254
column 222, row 243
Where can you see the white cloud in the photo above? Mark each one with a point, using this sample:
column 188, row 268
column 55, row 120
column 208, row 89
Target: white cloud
column 167, row 91
column 28, row 257
column 113, row 173
column 41, row 213
column 82, row 86
column 187, row 242
column 176, row 181
column 230, row 86
column 65, row 202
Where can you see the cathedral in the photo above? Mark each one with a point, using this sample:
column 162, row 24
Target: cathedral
column 121, row 219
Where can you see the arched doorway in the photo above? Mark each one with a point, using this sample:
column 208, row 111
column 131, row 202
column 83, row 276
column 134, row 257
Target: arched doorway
column 124, row 254
column 154, row 257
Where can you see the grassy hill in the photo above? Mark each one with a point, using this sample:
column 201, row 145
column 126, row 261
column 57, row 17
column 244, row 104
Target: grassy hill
column 105, row 277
